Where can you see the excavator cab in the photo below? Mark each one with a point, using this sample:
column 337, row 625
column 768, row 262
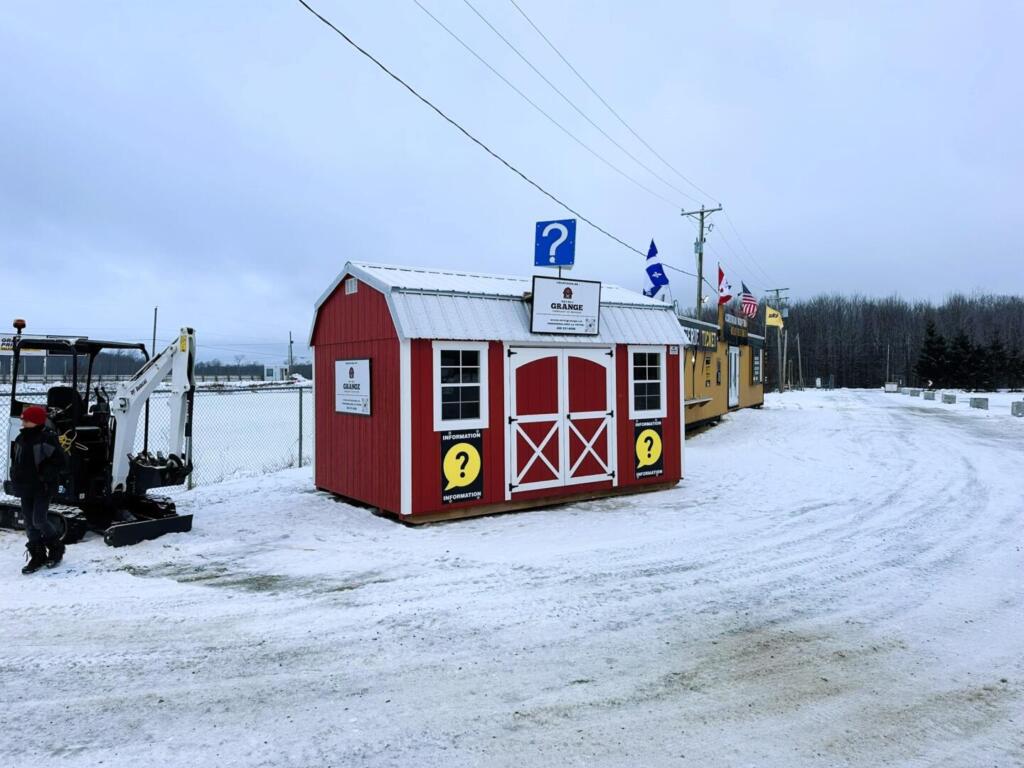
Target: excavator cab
column 107, row 474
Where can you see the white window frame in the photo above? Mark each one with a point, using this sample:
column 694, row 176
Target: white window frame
column 441, row 425
column 658, row 413
column 351, row 285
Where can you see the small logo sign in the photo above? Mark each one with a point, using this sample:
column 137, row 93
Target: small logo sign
column 567, row 293
column 351, row 372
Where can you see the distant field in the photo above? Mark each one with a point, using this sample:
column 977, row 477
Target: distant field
column 237, row 432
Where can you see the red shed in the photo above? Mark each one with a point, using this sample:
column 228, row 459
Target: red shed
column 445, row 394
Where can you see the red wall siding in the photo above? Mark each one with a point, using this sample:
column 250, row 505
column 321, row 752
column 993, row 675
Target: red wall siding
column 358, row 456
column 426, row 447
column 426, row 443
column 670, row 432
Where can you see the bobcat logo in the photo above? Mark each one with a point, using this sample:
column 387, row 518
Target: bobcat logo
column 567, row 294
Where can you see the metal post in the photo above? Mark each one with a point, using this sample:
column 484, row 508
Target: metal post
column 145, row 429
column 188, row 452
column 799, row 363
column 300, row 426
column 785, row 352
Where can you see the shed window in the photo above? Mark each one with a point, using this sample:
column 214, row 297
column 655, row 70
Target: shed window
column 351, row 285
column 647, row 382
column 460, row 386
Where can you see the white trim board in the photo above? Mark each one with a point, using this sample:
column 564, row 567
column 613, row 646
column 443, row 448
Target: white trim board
column 659, row 413
column 482, row 422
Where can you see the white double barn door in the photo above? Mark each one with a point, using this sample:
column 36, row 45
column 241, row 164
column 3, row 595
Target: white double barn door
column 561, row 428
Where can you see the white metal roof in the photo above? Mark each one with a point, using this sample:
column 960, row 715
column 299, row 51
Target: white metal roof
column 439, row 304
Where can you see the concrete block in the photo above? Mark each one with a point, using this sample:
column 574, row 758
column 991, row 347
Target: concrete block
column 915, row 393
column 979, row 402
column 928, row 395
column 949, row 399
column 1017, row 409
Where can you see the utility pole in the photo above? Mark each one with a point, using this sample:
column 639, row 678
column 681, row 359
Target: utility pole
column 799, row 363
column 785, row 354
column 153, row 348
column 779, row 302
column 290, row 358
column 698, row 249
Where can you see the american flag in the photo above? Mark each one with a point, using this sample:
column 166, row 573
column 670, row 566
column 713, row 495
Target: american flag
column 748, row 307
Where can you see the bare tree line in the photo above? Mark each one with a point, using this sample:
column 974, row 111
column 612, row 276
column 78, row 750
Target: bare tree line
column 850, row 337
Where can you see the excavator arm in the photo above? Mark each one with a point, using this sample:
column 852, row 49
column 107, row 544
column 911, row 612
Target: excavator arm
column 136, row 473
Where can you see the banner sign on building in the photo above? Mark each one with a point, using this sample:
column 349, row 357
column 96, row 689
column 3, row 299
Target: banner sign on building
column 736, row 329
column 462, row 473
column 566, row 306
column 700, row 338
column 647, row 439
column 352, row 386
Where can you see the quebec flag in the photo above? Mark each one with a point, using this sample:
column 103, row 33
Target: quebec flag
column 655, row 272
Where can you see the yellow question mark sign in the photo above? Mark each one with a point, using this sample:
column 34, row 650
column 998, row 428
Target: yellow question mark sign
column 648, row 448
column 461, row 465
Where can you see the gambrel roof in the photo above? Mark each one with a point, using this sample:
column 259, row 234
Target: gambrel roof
column 471, row 306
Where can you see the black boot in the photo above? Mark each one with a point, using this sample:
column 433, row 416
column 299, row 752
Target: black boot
column 36, row 557
column 54, row 552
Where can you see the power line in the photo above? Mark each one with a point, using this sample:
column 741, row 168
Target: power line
column 468, row 135
column 609, row 106
column 572, row 104
column 534, row 104
column 744, row 244
column 630, row 128
column 739, row 256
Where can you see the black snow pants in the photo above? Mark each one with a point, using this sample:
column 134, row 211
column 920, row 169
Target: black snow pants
column 35, row 506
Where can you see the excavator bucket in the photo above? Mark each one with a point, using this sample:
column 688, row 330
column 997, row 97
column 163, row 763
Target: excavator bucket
column 123, row 534
column 139, row 518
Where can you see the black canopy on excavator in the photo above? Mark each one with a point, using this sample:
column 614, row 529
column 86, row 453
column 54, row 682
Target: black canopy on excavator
column 72, row 345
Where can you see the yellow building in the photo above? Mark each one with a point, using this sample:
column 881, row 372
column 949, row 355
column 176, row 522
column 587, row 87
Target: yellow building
column 725, row 368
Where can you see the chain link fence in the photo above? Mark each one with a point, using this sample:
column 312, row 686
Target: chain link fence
column 235, row 432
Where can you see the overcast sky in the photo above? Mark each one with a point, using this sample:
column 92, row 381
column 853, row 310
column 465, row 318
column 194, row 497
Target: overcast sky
column 224, row 159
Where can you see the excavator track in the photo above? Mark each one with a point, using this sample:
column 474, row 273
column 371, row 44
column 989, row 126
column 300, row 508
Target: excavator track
column 70, row 522
column 137, row 519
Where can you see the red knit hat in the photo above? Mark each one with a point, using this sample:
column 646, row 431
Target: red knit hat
column 34, row 414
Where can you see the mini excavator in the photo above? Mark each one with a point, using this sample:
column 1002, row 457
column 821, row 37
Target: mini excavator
column 106, row 480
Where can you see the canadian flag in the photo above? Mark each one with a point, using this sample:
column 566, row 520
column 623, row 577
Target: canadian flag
column 724, row 289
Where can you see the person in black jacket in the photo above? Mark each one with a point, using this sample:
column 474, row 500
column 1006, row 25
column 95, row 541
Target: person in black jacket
column 36, row 465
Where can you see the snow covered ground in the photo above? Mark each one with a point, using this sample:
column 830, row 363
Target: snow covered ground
column 837, row 582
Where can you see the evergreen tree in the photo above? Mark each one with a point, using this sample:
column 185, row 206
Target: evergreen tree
column 960, row 358
column 1014, row 368
column 933, row 361
column 977, row 368
column 996, row 363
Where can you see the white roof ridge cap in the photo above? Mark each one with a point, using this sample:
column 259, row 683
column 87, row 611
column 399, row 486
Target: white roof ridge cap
column 369, row 265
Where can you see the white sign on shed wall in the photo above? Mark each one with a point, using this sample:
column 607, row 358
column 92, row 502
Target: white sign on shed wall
column 352, row 386
column 566, row 306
